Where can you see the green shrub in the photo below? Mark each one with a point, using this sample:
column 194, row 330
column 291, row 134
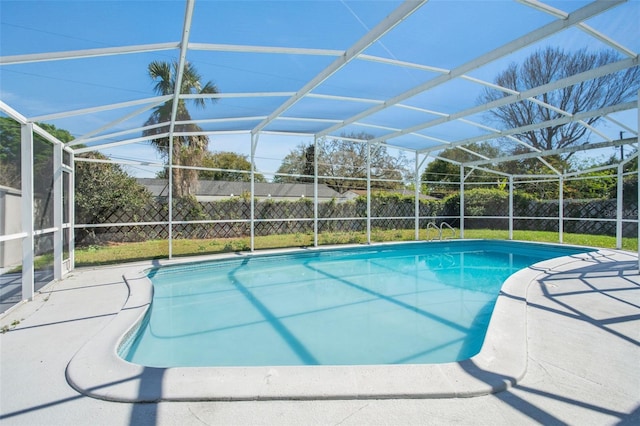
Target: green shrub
column 485, row 202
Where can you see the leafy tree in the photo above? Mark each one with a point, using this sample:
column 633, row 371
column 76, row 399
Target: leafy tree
column 440, row 175
column 300, row 161
column 9, row 143
column 103, row 189
column 10, row 149
column 341, row 161
column 548, row 65
column 9, row 175
column 226, row 162
column 9, row 153
column 61, row 134
column 591, row 185
column 629, row 189
column 187, row 150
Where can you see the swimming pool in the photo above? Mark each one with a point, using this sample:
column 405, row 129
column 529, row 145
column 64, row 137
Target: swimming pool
column 410, row 303
column 97, row 369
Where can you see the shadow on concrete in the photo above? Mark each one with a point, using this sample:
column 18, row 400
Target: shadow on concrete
column 11, row 286
column 553, row 294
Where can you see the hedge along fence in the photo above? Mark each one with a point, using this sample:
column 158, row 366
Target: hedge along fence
column 388, row 211
column 480, row 203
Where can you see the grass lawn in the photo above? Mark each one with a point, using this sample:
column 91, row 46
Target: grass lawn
column 155, row 249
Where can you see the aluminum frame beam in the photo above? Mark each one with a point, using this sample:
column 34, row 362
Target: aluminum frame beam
column 242, row 48
column 574, row 18
column 565, row 150
column 100, row 108
column 569, row 81
column 86, row 53
column 582, row 26
column 390, row 22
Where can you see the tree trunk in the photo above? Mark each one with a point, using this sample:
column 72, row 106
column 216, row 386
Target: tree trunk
column 177, row 173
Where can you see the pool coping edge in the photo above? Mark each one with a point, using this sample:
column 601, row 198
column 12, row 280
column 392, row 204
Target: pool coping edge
column 97, row 371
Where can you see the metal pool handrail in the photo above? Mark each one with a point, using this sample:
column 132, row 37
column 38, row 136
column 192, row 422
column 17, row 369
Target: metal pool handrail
column 439, row 230
column 450, row 227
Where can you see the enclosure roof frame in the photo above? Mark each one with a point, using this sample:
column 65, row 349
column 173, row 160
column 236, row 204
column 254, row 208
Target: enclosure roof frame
column 391, row 134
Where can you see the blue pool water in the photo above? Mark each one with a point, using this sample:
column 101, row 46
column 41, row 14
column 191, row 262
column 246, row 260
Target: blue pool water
column 386, row 304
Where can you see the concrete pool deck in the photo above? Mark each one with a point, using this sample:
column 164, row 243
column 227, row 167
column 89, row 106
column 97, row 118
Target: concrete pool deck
column 583, row 351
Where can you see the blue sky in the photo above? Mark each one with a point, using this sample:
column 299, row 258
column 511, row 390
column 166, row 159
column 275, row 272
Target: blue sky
column 442, row 34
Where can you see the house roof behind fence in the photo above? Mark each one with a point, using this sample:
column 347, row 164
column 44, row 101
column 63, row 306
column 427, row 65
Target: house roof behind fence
column 216, row 188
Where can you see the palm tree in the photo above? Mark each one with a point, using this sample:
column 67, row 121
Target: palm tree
column 187, row 150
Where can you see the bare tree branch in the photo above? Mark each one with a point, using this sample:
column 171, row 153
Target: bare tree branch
column 551, row 64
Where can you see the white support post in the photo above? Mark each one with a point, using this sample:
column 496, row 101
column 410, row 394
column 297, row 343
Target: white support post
column 561, row 209
column 462, row 177
column 619, row 205
column 368, row 193
column 72, row 213
column 254, row 144
column 170, row 190
column 184, row 43
column 511, row 207
column 316, row 210
column 416, row 194
column 27, row 211
column 57, row 212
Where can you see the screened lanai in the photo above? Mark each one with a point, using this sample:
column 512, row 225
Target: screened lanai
column 330, row 105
